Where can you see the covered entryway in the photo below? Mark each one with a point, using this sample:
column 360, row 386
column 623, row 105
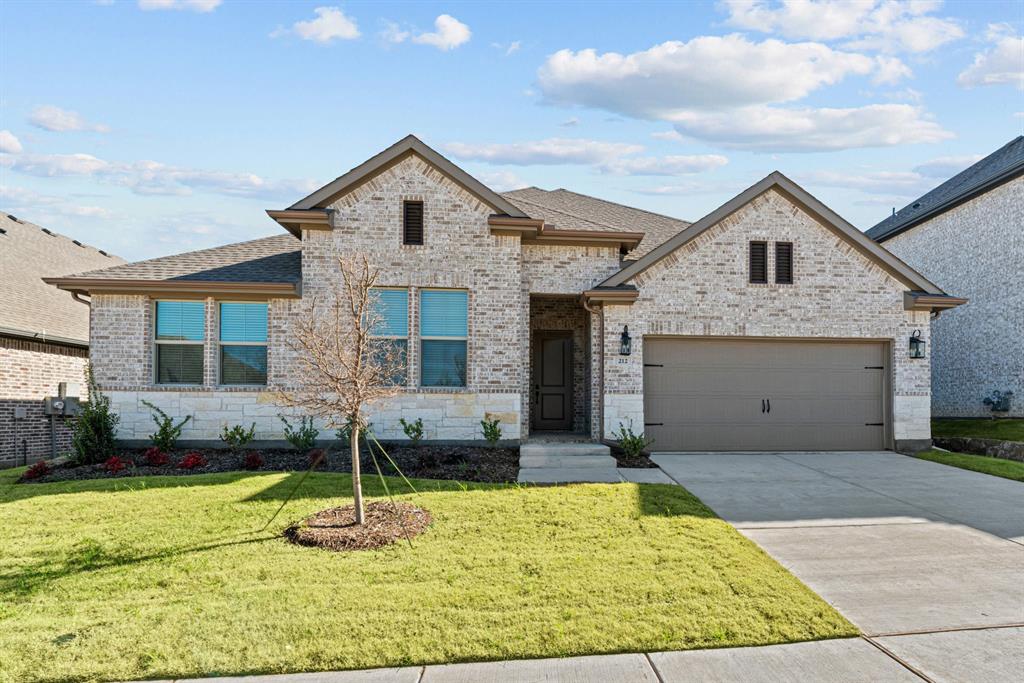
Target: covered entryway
column 558, row 396
column 741, row 394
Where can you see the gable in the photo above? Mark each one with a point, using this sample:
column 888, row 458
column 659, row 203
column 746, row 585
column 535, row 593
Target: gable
column 801, row 200
column 395, row 154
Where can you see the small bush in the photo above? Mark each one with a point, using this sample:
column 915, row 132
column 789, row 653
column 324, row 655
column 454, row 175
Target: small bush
column 344, row 432
column 192, row 460
column 413, row 430
column 303, row 437
column 317, row 457
column 491, row 430
column 93, row 431
column 155, row 457
column 253, row 461
column 40, row 469
column 632, row 444
column 115, row 464
column 167, row 433
column 237, row 437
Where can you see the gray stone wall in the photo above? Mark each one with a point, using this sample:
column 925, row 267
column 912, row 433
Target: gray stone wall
column 702, row 290
column 976, row 251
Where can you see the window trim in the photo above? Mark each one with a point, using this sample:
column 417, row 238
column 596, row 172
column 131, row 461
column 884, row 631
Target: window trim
column 423, row 221
column 154, row 354
column 750, row 262
column 408, row 332
column 422, row 337
column 792, row 268
column 220, row 344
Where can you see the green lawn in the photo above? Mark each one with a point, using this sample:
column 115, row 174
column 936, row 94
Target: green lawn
column 169, row 577
column 1010, row 429
column 998, row 467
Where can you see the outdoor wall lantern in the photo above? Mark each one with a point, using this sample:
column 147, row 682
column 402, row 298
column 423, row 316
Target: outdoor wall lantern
column 916, row 345
column 625, row 344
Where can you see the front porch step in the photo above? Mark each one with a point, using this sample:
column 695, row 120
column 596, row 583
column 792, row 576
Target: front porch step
column 574, row 461
column 552, row 448
column 569, row 475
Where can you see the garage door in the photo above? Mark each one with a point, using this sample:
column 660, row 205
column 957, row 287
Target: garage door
column 753, row 395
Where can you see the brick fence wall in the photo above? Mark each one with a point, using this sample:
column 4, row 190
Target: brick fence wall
column 29, row 372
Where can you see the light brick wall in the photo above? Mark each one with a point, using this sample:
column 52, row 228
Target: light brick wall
column 976, row 251
column 29, row 372
column 560, row 269
column 702, row 289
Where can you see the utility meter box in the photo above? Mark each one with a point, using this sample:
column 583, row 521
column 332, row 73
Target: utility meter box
column 55, row 405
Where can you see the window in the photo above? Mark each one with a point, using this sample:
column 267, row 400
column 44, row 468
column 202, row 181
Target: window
column 784, row 263
column 180, row 332
column 391, row 307
column 243, row 343
column 412, row 222
column 443, row 332
column 759, row 262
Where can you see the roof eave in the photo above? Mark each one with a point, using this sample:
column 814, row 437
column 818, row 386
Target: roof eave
column 269, row 290
column 297, row 220
column 611, row 296
column 923, row 301
column 42, row 337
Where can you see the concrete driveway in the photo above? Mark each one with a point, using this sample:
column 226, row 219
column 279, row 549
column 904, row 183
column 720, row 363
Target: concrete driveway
column 928, row 560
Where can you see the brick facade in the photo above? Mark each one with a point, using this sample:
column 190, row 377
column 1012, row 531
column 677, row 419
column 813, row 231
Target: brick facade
column 702, row 289
column 29, row 372
column 975, row 251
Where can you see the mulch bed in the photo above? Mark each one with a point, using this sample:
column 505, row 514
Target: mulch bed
column 385, row 523
column 463, row 463
column 623, row 460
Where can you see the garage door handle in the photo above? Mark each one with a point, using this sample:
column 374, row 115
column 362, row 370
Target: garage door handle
column 762, row 406
column 769, row 405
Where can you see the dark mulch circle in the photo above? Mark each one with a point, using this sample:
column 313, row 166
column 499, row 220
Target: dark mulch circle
column 335, row 528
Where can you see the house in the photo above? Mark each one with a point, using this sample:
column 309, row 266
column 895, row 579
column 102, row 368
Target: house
column 968, row 236
column 771, row 323
column 44, row 336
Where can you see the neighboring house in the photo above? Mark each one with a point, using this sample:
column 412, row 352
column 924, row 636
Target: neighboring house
column 44, row 336
column 771, row 323
column 967, row 235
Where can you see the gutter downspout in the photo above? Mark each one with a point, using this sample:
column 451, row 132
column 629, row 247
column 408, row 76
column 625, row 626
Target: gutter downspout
column 77, row 296
column 600, row 370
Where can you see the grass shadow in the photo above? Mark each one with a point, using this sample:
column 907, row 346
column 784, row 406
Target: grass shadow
column 667, row 500
column 11, row 491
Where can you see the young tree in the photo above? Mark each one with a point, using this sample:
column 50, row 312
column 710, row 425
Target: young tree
column 342, row 365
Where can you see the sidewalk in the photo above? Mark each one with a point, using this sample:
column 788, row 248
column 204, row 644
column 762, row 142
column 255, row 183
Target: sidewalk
column 846, row 660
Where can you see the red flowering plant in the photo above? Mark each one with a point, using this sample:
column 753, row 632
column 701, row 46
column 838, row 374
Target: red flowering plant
column 115, row 464
column 192, row 460
column 156, row 457
column 40, row 469
column 253, row 460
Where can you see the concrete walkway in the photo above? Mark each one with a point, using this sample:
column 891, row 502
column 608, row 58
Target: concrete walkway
column 927, row 560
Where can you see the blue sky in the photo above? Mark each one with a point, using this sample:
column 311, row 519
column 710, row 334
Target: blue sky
column 157, row 126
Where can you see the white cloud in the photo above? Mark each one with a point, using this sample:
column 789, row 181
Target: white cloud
column 1001, row 65
column 193, row 5
column 552, row 151
column 690, row 187
column 947, row 167
column 330, row 24
column 9, row 143
column 513, row 48
column 52, row 118
column 449, row 33
column 670, row 135
column 890, row 71
column 705, row 73
column 393, row 33
column 667, row 165
column 23, row 200
column 903, row 183
column 57, row 165
column 776, row 129
column 501, row 181
column 885, row 25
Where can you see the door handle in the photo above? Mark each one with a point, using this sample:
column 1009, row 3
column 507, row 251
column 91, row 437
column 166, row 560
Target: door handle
column 769, row 405
column 762, row 406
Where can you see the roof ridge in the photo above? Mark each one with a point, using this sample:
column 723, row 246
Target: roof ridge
column 62, row 236
column 570, row 214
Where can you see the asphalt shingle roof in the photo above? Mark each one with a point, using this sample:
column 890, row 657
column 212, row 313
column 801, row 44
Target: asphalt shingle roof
column 269, row 259
column 1006, row 161
column 566, row 210
column 29, row 253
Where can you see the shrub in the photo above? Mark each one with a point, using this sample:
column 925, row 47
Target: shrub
column 40, row 469
column 155, row 457
column 317, row 457
column 303, row 437
column 344, row 432
column 413, row 430
column 492, row 432
column 237, row 437
column 167, row 432
column 253, row 461
column 115, row 464
column 632, row 444
column 192, row 460
column 93, row 431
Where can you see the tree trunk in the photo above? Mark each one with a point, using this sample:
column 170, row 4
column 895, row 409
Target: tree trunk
column 357, row 482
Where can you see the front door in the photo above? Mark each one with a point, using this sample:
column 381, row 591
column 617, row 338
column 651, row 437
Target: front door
column 552, row 381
